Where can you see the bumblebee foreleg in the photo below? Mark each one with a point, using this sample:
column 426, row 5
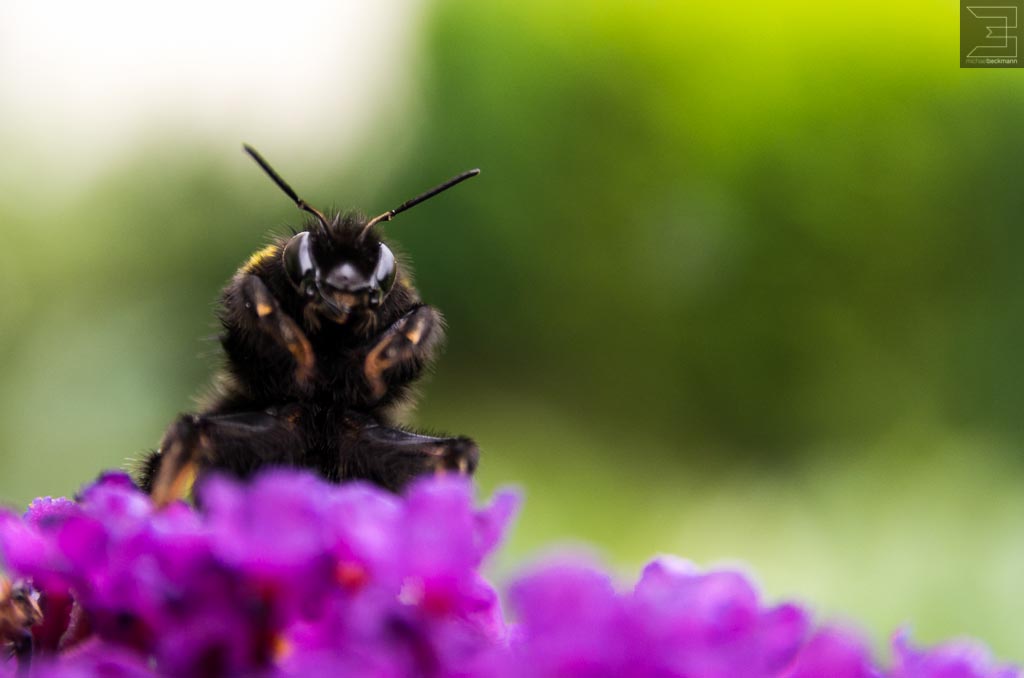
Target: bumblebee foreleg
column 402, row 350
column 263, row 311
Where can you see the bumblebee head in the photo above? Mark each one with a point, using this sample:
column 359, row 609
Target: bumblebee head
column 337, row 270
column 338, row 265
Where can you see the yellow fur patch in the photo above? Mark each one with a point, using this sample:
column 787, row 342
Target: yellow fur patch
column 259, row 257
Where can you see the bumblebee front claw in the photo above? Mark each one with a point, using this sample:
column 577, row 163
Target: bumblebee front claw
column 455, row 455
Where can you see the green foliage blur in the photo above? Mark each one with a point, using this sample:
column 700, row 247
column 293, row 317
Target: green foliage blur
column 734, row 287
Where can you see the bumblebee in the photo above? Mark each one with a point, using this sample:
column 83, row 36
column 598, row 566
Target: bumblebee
column 323, row 335
column 19, row 612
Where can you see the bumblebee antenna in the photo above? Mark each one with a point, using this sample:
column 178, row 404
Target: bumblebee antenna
column 283, row 185
column 390, row 214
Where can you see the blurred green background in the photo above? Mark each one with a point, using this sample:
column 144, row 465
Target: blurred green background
column 738, row 282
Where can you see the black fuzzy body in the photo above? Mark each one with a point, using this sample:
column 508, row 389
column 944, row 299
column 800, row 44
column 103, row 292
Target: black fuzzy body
column 323, row 401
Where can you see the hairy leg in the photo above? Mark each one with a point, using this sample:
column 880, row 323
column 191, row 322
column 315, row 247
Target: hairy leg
column 238, row 443
column 266, row 346
column 402, row 351
column 391, row 457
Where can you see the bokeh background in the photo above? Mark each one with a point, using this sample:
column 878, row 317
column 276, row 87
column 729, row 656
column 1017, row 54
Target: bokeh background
column 740, row 281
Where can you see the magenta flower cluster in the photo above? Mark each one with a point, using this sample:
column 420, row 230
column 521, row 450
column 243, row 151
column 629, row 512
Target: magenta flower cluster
column 291, row 576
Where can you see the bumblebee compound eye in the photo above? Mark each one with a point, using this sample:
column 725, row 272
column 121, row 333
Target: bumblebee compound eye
column 387, row 270
column 299, row 263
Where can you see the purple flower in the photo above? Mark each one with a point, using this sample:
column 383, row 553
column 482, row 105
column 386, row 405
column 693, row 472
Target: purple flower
column 834, row 653
column 571, row 623
column 46, row 512
column 288, row 575
column 677, row 622
column 713, row 624
column 957, row 659
column 94, row 658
